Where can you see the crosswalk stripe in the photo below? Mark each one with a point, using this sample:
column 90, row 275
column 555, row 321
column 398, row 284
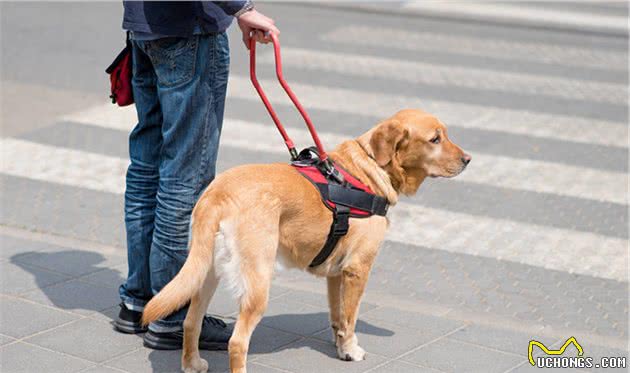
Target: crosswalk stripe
column 484, row 47
column 62, row 166
column 518, row 122
column 552, row 248
column 501, row 171
column 547, row 247
column 567, row 128
column 426, row 73
column 520, row 12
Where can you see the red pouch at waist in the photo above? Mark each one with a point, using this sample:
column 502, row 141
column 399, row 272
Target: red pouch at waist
column 120, row 73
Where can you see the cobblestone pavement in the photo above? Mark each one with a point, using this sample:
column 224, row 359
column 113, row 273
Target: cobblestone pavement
column 530, row 243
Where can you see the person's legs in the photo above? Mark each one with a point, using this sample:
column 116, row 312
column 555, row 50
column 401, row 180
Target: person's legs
column 142, row 179
column 192, row 80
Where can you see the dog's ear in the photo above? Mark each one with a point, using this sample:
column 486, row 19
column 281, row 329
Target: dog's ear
column 386, row 140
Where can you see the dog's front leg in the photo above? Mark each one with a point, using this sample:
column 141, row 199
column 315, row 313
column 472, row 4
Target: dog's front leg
column 353, row 281
column 334, row 303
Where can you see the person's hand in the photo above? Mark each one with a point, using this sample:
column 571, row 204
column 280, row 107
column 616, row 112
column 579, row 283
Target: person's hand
column 256, row 25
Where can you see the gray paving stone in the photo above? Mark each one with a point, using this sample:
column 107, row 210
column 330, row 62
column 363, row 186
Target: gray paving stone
column 109, row 276
column 298, row 318
column 383, row 338
column 88, row 339
column 430, row 276
column 320, row 300
column 258, row 368
column 22, row 357
column 17, row 278
column 147, row 360
column 20, row 318
column 397, row 366
column 311, row 355
column 4, row 339
column 265, row 340
column 102, row 369
column 71, row 262
column 13, row 245
column 154, row 361
column 500, row 339
column 77, row 296
column 107, row 315
column 528, row 368
column 431, row 325
column 449, row 355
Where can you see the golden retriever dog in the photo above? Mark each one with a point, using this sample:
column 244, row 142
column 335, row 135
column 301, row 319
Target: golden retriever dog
column 254, row 215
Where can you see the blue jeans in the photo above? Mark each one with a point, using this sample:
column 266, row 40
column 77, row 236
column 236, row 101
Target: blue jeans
column 179, row 86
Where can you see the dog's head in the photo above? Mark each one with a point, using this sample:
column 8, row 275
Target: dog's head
column 412, row 145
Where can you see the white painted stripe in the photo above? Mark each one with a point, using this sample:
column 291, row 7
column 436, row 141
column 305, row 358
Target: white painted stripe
column 540, row 246
column 506, row 172
column 558, row 127
column 530, row 14
column 62, row 166
column 425, row 73
column 552, row 248
column 565, row 55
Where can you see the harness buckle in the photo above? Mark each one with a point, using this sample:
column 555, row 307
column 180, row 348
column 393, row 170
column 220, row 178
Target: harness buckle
column 331, row 172
column 341, row 223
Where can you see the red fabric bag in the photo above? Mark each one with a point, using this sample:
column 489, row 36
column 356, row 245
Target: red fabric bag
column 120, row 73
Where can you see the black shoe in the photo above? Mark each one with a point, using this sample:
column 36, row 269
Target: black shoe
column 129, row 321
column 214, row 336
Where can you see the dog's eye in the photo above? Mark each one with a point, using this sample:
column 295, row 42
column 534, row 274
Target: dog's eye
column 435, row 140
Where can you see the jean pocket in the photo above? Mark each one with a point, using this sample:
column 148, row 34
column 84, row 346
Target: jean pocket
column 173, row 59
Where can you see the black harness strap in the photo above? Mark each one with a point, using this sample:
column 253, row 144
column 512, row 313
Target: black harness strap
column 338, row 229
column 355, row 198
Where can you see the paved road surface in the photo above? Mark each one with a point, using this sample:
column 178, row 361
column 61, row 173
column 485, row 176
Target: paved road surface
column 531, row 242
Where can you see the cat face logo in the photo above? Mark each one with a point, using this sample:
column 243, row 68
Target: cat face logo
column 559, row 351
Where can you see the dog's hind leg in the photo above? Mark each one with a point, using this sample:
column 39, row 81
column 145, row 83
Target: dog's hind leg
column 191, row 361
column 258, row 244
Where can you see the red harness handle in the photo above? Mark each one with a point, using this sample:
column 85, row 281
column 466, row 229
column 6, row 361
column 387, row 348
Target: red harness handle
column 252, row 74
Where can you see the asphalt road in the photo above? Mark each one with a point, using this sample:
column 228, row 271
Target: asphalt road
column 531, row 240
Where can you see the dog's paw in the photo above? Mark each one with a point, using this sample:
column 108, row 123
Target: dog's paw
column 353, row 352
column 196, row 366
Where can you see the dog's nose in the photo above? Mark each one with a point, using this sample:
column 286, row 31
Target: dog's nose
column 466, row 159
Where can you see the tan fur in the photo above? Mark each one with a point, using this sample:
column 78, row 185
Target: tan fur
column 275, row 213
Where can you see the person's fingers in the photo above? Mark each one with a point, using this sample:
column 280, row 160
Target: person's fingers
column 266, row 37
column 259, row 36
column 246, row 36
column 273, row 29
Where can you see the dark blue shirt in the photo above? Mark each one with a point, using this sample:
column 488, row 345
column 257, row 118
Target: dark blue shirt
column 179, row 18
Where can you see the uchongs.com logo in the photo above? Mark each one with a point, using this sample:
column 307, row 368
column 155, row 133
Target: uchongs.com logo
column 558, row 358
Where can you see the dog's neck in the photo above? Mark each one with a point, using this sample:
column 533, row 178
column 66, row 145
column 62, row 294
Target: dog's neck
column 357, row 160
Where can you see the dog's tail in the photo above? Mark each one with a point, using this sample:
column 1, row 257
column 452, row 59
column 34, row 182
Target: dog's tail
column 191, row 277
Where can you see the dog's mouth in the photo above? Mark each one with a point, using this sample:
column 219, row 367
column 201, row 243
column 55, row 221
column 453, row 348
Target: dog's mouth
column 450, row 172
